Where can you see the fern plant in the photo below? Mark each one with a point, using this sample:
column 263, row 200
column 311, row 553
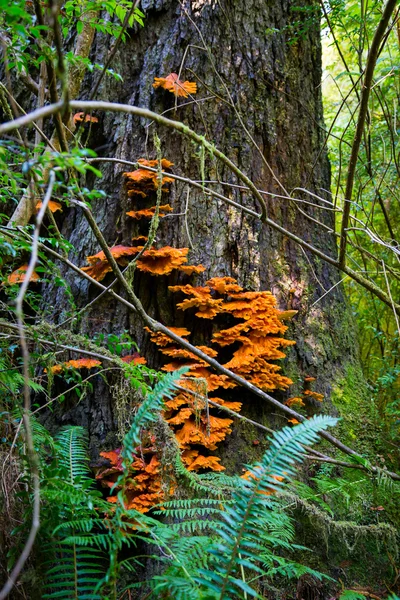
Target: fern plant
column 71, row 569
column 86, row 546
column 249, row 530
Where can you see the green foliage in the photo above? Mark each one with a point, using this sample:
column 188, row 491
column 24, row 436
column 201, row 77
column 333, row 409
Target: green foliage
column 72, row 443
column 116, row 343
column 349, row 29
column 82, row 548
column 20, row 26
column 215, row 548
column 148, row 412
column 77, row 12
column 249, row 531
column 68, row 498
column 71, row 503
column 351, row 595
column 235, row 538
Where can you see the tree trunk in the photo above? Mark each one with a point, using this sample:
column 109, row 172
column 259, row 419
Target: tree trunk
column 258, row 70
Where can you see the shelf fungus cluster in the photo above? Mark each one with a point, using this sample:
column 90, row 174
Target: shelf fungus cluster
column 248, row 338
column 256, row 335
column 142, row 181
column 250, row 347
column 144, row 488
column 173, row 84
column 306, row 395
column 251, row 343
column 155, row 261
column 141, row 185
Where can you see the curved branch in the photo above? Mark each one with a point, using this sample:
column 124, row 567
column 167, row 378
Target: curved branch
column 31, row 452
column 185, row 130
column 156, row 326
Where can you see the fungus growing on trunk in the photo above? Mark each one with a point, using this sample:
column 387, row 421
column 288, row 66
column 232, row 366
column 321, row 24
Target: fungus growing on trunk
column 314, row 395
column 200, row 298
column 135, row 359
column 80, row 363
column 162, row 261
column 173, row 84
column 156, row 261
column 144, row 488
column 256, row 340
column 53, row 206
column 18, row 276
column 99, row 265
column 161, row 339
column 148, row 213
column 142, row 182
column 79, row 117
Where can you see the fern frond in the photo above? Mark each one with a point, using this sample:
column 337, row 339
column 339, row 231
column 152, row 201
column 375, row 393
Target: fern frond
column 78, row 525
column 183, row 503
column 226, row 482
column 72, row 451
column 178, row 588
column 184, row 508
column 149, row 410
column 195, row 527
column 76, row 574
column 252, row 522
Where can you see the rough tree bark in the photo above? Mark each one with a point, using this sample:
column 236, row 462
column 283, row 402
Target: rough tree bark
column 255, row 71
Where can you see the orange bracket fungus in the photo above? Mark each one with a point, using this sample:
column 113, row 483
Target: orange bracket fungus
column 200, row 298
column 148, row 213
column 173, row 84
column 99, row 265
column 250, row 348
column 256, row 338
column 314, row 395
column 141, row 182
column 306, row 394
column 53, row 206
column 156, row 261
column 80, row 363
column 144, row 487
column 162, row 261
column 309, row 393
column 18, row 276
column 259, row 333
column 79, row 118
column 296, row 401
column 134, row 359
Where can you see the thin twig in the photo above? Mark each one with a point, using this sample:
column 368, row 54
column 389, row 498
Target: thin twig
column 31, row 452
column 390, row 295
column 183, row 129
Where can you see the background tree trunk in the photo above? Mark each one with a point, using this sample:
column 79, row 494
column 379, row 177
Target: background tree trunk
column 272, row 69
